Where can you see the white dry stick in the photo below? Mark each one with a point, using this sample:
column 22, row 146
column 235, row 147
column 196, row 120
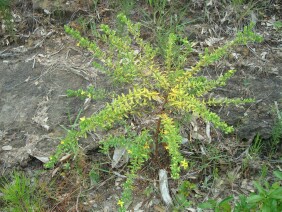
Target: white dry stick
column 208, row 131
column 194, row 122
column 164, row 187
column 277, row 110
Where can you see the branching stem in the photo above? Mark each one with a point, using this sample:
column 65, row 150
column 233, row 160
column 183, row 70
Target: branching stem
column 158, row 128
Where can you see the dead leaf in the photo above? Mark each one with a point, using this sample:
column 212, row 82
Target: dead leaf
column 120, row 157
column 211, row 41
column 203, row 150
column 55, row 171
column 138, row 206
column 197, row 136
column 159, row 208
column 247, row 184
column 27, row 79
column 184, row 140
column 208, row 131
column 7, row 148
column 66, row 157
column 86, row 103
column 192, row 209
column 263, row 55
column 42, row 159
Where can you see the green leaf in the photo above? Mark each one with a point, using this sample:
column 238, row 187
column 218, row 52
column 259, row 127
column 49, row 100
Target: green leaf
column 274, row 205
column 226, row 200
column 255, row 198
column 260, row 189
column 266, row 207
column 225, row 207
column 278, row 174
column 210, row 204
column 275, row 185
column 276, row 194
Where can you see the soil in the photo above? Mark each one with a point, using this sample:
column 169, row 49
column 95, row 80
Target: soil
column 43, row 62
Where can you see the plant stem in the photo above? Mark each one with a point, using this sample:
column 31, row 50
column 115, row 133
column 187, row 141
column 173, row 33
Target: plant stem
column 158, row 129
column 156, row 154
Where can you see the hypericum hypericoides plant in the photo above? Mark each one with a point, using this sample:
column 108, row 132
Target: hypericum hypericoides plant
column 156, row 88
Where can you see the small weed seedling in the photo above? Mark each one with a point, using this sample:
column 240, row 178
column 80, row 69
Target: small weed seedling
column 278, row 25
column 156, row 91
column 6, row 15
column 184, row 191
column 267, row 198
column 217, row 206
column 276, row 133
column 256, row 147
column 21, row 194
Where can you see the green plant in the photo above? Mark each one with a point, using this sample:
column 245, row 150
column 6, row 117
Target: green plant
column 263, row 173
column 156, row 3
column 256, row 147
column 184, row 191
column 91, row 92
column 6, row 15
column 185, row 188
column 242, row 205
column 94, row 175
column 218, row 206
column 155, row 89
column 127, row 6
column 21, row 194
column 276, row 133
column 149, row 190
column 4, row 5
column 278, row 25
column 252, row 153
column 267, row 198
column 123, row 6
column 164, row 18
column 67, row 145
column 238, row 2
column 158, row 8
column 180, row 203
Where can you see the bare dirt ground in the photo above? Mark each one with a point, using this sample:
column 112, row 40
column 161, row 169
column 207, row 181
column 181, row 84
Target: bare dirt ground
column 35, row 73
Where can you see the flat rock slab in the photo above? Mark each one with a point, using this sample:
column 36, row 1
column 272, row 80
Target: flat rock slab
column 261, row 80
column 33, row 102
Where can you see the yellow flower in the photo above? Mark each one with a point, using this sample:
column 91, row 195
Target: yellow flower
column 82, row 118
column 62, row 142
column 146, row 146
column 184, row 164
column 120, row 203
column 166, row 146
column 129, row 151
column 78, row 44
column 165, row 132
